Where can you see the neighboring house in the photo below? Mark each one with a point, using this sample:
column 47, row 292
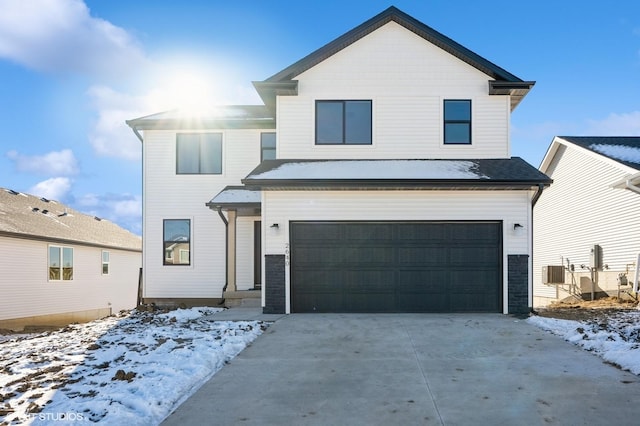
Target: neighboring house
column 587, row 224
column 377, row 177
column 59, row 266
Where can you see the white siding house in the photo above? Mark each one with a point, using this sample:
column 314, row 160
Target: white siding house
column 594, row 201
column 60, row 266
column 391, row 187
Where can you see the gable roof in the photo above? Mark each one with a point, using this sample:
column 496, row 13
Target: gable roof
column 624, row 150
column 512, row 173
column 30, row 217
column 504, row 83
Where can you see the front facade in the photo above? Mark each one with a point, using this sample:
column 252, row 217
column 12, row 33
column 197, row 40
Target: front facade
column 586, row 223
column 390, row 189
column 60, row 266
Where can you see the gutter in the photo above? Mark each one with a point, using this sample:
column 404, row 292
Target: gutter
column 226, row 250
column 537, row 195
column 534, row 200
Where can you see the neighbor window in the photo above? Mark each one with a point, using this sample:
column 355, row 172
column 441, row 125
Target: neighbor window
column 199, row 153
column 343, row 122
column 105, row 263
column 457, row 122
column 60, row 263
column 267, row 146
column 177, row 242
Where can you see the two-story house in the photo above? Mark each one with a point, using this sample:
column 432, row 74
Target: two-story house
column 377, row 177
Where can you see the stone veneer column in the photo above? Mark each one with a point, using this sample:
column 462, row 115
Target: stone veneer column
column 274, row 286
column 518, row 285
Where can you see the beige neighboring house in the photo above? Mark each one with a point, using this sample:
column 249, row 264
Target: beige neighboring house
column 587, row 224
column 59, row 266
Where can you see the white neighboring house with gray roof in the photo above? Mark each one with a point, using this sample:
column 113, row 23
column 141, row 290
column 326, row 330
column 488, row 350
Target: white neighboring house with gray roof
column 60, row 266
column 587, row 224
column 376, row 177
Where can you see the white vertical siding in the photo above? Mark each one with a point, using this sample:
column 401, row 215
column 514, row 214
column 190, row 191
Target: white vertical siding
column 171, row 196
column 581, row 209
column 407, row 79
column 26, row 290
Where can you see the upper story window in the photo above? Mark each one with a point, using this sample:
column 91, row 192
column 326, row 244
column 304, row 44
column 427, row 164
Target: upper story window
column 177, row 241
column 457, row 122
column 60, row 263
column 267, row 146
column 199, row 153
column 343, row 123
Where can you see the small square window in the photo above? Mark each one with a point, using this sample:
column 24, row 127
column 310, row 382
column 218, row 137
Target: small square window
column 199, row 153
column 457, row 122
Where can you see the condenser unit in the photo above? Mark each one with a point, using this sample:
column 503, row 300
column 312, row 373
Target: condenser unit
column 553, row 274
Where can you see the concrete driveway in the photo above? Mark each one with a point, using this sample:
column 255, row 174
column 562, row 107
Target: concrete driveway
column 412, row 369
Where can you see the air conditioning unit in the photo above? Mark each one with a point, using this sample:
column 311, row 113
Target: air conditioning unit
column 553, row 274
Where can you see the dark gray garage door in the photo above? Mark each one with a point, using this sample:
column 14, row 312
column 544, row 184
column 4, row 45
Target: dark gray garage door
column 396, row 266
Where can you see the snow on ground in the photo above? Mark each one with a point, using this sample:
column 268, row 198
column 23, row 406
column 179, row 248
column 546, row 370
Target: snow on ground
column 615, row 337
column 131, row 369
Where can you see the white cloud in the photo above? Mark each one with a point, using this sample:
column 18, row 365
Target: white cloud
column 55, row 163
column 110, row 136
column 625, row 124
column 62, row 36
column 54, row 189
column 123, row 209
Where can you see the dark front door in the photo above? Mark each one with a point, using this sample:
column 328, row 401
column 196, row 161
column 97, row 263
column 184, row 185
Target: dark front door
column 396, row 266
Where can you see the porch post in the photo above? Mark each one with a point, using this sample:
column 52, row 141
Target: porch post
column 231, row 250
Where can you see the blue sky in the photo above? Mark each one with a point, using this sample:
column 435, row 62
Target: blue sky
column 71, row 73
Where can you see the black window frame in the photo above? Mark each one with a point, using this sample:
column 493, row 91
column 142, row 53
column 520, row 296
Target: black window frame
column 167, row 242
column 200, row 147
column 270, row 149
column 344, row 103
column 446, row 121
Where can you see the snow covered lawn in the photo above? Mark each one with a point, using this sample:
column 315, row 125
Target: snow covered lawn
column 614, row 337
column 131, row 369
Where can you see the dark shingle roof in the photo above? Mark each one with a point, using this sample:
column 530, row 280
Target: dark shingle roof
column 31, row 217
column 623, row 149
column 482, row 173
column 505, row 82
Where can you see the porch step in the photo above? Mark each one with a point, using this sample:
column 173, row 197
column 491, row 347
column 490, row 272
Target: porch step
column 245, row 298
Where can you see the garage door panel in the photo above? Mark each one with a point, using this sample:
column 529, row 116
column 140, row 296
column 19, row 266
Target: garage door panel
column 422, row 255
column 422, row 282
column 396, row 267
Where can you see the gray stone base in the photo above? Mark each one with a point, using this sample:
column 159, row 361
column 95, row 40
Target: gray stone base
column 518, row 277
column 274, row 288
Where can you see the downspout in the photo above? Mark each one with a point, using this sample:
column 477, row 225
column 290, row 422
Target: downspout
column 226, row 251
column 534, row 200
column 137, row 133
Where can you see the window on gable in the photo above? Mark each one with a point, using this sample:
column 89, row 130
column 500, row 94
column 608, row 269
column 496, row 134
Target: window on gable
column 267, row 146
column 343, row 122
column 457, row 122
column 177, row 242
column 60, row 263
column 199, row 153
column 105, row 263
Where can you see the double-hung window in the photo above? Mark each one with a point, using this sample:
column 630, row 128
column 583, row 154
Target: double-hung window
column 199, row 153
column 105, row 262
column 60, row 263
column 267, row 146
column 343, row 122
column 177, row 242
column 457, row 122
